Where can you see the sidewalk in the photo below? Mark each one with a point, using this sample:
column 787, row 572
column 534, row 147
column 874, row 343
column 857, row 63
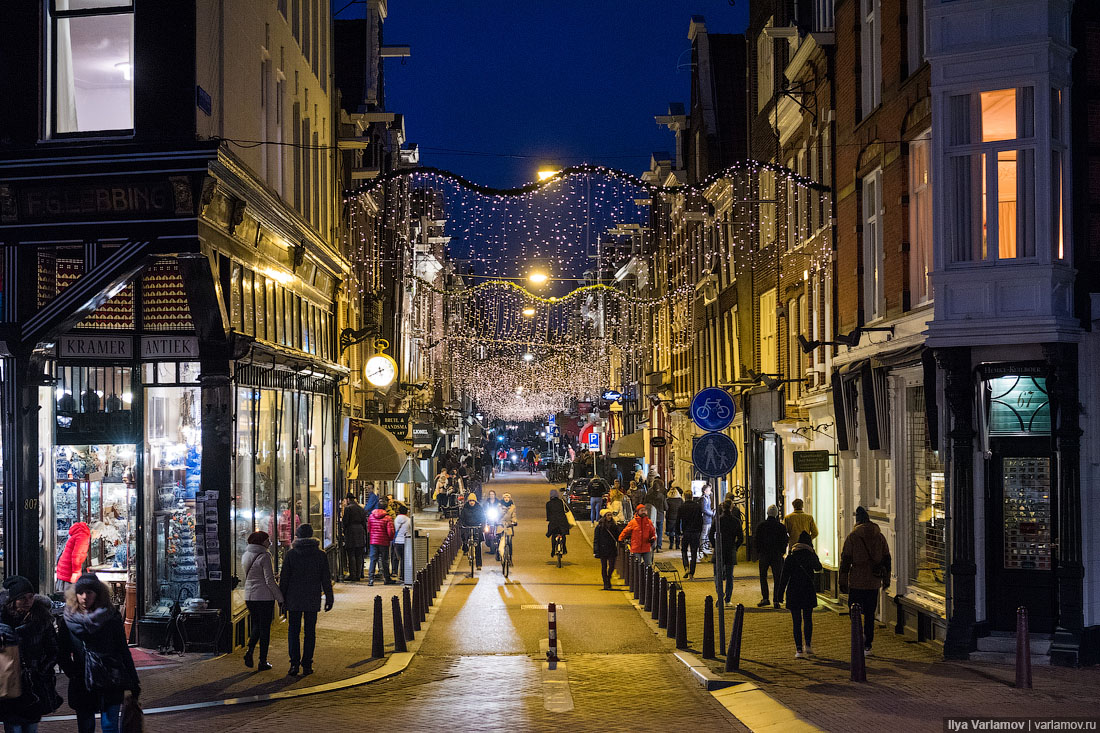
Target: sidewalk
column 344, row 637
column 909, row 687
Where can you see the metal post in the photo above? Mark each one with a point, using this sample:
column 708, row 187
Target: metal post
column 662, row 614
column 637, row 573
column 681, row 621
column 655, row 595
column 407, row 614
column 418, row 604
column 721, row 625
column 399, row 644
column 1023, row 650
column 671, row 628
column 647, row 582
column 733, row 653
column 859, row 662
column 378, row 639
column 552, row 613
column 708, row 628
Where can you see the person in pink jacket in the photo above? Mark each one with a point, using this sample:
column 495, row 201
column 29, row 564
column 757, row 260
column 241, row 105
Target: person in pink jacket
column 641, row 533
column 381, row 531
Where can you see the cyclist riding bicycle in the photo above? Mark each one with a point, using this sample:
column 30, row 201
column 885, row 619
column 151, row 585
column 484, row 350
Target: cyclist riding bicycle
column 470, row 518
column 492, row 511
column 506, row 527
column 556, row 523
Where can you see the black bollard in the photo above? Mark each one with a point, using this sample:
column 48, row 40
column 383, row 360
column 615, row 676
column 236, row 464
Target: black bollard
column 1023, row 650
column 681, row 621
column 637, row 573
column 721, row 626
column 670, row 630
column 655, row 595
column 418, row 604
column 399, row 644
column 662, row 615
column 378, row 640
column 733, row 653
column 645, row 600
column 859, row 661
column 708, row 628
column 407, row 613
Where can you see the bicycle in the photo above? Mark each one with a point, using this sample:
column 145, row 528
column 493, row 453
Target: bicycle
column 558, row 545
column 506, row 555
column 471, row 543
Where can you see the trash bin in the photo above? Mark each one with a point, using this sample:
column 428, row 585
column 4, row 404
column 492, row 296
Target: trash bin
column 416, row 556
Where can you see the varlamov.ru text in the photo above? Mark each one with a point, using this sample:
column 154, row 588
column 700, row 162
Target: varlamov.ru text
column 1025, row 724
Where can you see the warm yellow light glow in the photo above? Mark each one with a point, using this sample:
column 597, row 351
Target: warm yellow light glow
column 545, row 173
column 528, row 356
column 528, row 311
column 280, row 276
column 538, row 278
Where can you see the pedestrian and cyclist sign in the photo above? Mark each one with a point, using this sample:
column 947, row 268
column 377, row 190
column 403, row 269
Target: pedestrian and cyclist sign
column 712, row 409
column 714, row 455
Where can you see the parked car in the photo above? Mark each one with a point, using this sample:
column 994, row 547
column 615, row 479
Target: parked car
column 576, row 495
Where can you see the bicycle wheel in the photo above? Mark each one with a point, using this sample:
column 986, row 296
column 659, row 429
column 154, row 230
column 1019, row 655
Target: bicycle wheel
column 505, row 562
column 471, row 553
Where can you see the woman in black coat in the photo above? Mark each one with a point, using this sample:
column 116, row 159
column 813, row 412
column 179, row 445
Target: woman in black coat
column 729, row 524
column 798, row 582
column 605, row 544
column 25, row 619
column 556, row 523
column 675, row 500
column 93, row 650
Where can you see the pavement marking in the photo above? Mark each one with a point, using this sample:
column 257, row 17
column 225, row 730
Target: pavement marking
column 556, row 696
column 539, row 607
column 759, row 712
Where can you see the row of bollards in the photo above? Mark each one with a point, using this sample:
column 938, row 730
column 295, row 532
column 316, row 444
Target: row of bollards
column 409, row 611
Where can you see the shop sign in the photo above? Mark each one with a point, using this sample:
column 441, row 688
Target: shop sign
column 810, row 461
column 422, row 435
column 658, row 441
column 396, row 422
column 96, row 199
column 185, row 348
column 71, row 346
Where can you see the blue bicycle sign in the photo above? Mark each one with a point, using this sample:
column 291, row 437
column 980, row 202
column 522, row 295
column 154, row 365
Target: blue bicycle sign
column 712, row 409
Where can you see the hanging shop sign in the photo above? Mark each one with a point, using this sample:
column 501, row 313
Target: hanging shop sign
column 658, row 441
column 422, row 435
column 810, row 461
column 611, row 395
column 396, row 422
column 185, row 348
column 73, row 346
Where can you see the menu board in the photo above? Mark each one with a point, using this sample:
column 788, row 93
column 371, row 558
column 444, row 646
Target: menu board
column 1027, row 513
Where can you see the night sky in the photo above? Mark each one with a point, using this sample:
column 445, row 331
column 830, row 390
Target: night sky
column 520, row 82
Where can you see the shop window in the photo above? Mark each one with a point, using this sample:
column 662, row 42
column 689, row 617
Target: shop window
column 289, row 507
column 1017, row 405
column 92, row 66
column 928, row 504
column 266, row 430
column 94, row 401
column 244, row 467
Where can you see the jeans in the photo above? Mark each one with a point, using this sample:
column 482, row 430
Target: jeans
column 705, row 537
column 28, row 727
column 305, row 656
column 803, row 619
column 355, row 562
column 262, row 613
column 775, row 562
column 647, row 557
column 690, row 542
column 397, row 560
column 379, row 555
column 727, row 580
column 868, row 604
column 594, row 503
column 657, row 516
column 607, row 567
column 85, row 722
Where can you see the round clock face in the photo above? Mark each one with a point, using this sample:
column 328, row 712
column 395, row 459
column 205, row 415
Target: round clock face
column 380, row 370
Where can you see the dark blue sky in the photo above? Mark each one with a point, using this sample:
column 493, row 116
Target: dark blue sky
column 528, row 80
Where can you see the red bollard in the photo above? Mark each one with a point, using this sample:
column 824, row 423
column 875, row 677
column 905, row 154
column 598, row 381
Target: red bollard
column 1023, row 650
column 552, row 617
column 859, row 661
column 733, row 653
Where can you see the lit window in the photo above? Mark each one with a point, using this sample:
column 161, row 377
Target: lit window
column 92, row 66
column 874, row 291
column 920, row 220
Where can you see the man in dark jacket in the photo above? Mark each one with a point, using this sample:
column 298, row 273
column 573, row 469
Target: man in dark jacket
column 657, row 502
column 864, row 570
column 771, row 545
column 304, row 577
column 354, row 521
column 470, row 519
column 597, row 487
column 691, row 530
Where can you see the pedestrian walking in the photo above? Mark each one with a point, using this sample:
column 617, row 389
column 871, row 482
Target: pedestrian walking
column 771, row 545
column 707, row 502
column 641, row 533
column 261, row 593
column 25, row 620
column 402, row 526
column 605, row 545
column 556, row 521
column 691, row 531
column 380, row 527
column 304, row 577
column 370, row 500
column 657, row 503
column 616, row 502
column 597, row 487
column 800, row 590
column 864, row 571
column 729, row 526
column 92, row 652
column 673, row 500
column 798, row 522
column 354, row 523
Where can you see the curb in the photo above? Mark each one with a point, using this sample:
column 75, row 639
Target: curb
column 396, row 663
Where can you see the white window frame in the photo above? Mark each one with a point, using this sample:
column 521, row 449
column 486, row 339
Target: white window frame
column 769, row 346
column 870, row 57
column 765, row 67
column 920, row 238
column 873, row 211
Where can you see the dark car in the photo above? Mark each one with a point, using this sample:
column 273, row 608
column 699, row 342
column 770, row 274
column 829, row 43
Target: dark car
column 576, row 495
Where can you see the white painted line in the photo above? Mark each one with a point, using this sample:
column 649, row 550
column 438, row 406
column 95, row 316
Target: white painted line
column 539, row 607
column 556, row 696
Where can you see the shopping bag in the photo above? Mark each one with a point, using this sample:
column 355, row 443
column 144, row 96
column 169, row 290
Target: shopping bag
column 570, row 518
column 11, row 676
column 132, row 716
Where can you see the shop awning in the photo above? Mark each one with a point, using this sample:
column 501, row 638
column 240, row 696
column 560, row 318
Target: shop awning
column 631, row 445
column 411, row 473
column 378, row 455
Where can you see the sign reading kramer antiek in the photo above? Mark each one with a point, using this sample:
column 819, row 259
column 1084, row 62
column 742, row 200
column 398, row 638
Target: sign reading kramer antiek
column 170, row 347
column 74, row 346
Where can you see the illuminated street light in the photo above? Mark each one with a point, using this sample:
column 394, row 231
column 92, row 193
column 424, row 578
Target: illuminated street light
column 545, row 173
column 528, row 356
column 538, row 278
column 529, row 311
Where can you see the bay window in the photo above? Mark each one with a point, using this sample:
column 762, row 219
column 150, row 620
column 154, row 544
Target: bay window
column 91, row 59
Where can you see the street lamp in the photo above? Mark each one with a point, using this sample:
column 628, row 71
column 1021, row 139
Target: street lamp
column 537, row 277
column 528, row 356
column 547, row 172
column 529, row 311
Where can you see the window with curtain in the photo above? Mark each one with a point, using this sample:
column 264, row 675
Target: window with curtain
column 920, row 219
column 870, row 61
column 874, row 291
column 91, row 65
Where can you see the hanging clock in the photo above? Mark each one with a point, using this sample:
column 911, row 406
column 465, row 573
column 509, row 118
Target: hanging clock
column 380, row 370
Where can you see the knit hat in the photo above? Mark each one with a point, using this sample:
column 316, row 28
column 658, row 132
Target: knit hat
column 471, row 497
column 304, row 531
column 17, row 585
column 862, row 516
column 605, row 511
column 89, row 582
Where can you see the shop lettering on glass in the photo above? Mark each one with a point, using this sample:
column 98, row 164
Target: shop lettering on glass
column 170, row 347
column 95, row 347
column 96, row 199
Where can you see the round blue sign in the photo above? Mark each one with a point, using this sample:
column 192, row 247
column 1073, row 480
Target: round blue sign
column 712, row 409
column 714, row 455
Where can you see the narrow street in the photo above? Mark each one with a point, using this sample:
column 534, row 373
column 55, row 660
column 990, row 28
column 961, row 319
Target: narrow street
column 481, row 664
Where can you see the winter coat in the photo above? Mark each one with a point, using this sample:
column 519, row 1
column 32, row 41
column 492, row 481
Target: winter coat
column 707, row 503
column 771, row 538
column 555, row 517
column 354, row 522
column 259, row 577
column 796, row 582
column 597, row 487
column 672, row 513
column 691, row 517
column 471, row 516
column 380, row 527
column 401, row 527
column 605, row 541
column 864, row 548
column 370, row 503
column 642, row 534
column 38, row 651
column 656, row 496
column 75, row 553
column 101, row 632
column 305, row 576
column 732, row 536
column 798, row 522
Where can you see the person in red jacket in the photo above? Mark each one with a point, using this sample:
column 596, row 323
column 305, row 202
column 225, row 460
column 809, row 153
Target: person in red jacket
column 380, row 529
column 641, row 533
column 73, row 556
